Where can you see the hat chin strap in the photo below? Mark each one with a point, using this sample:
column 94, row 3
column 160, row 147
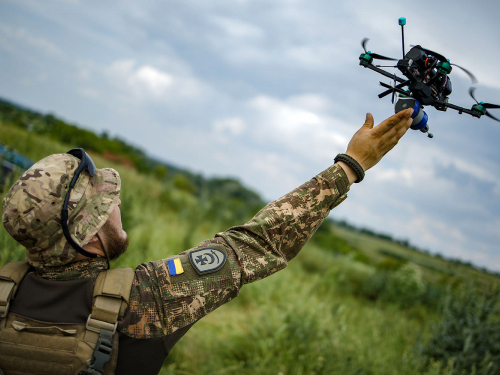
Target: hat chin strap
column 104, row 249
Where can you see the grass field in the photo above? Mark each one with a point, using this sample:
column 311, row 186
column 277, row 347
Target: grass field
column 350, row 303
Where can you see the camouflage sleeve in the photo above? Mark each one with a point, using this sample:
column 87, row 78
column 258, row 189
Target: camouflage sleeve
column 161, row 302
column 278, row 232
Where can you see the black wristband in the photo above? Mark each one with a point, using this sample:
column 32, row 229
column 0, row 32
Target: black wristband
column 351, row 162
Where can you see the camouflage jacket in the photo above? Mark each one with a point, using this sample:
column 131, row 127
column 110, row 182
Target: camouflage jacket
column 161, row 303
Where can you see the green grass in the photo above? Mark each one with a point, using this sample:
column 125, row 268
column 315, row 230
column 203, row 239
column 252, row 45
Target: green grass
column 434, row 268
column 295, row 322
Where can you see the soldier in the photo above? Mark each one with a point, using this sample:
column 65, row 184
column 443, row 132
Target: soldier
column 70, row 315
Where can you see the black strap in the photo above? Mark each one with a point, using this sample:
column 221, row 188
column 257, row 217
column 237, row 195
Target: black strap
column 351, row 162
column 102, row 354
column 74, row 245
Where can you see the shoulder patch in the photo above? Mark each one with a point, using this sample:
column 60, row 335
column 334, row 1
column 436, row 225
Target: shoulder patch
column 207, row 260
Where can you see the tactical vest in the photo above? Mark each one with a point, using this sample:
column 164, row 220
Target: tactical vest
column 64, row 347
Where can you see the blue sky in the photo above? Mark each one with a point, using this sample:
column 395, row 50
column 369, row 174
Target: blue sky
column 269, row 92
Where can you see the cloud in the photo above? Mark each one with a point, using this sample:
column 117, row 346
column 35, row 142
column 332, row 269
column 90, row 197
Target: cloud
column 15, row 35
column 156, row 81
column 299, row 125
column 237, row 28
column 145, row 82
column 90, row 93
column 234, row 125
column 270, row 92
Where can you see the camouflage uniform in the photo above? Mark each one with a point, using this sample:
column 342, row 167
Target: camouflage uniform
column 160, row 302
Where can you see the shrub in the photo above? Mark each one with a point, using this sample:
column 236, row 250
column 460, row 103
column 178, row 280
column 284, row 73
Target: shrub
column 390, row 264
column 434, row 296
column 467, row 337
column 361, row 257
column 353, row 276
column 405, row 286
column 375, row 286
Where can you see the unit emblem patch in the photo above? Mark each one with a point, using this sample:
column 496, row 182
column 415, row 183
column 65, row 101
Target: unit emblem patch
column 207, row 260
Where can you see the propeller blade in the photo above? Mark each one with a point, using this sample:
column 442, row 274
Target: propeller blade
column 386, row 85
column 472, row 77
column 491, row 116
column 385, row 93
column 401, row 85
column 485, row 105
column 363, row 43
column 380, row 57
column 374, row 55
column 394, row 89
column 491, row 106
column 391, row 89
column 471, row 93
column 435, row 54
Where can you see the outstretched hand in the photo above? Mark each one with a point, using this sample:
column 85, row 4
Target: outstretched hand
column 369, row 144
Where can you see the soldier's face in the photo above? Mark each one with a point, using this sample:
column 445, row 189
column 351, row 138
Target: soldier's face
column 115, row 238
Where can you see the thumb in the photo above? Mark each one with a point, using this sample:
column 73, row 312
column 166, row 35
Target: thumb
column 369, row 121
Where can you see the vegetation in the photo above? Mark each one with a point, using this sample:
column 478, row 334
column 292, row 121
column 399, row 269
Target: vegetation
column 468, row 333
column 352, row 302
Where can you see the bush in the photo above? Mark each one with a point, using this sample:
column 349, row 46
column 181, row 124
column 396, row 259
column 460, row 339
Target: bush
column 433, row 296
column 390, row 264
column 375, row 286
column 353, row 276
column 467, row 337
column 405, row 286
column 326, row 239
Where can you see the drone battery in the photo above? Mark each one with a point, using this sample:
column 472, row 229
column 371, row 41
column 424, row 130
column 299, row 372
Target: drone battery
column 419, row 116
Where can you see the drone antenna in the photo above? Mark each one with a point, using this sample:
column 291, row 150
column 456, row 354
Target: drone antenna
column 402, row 22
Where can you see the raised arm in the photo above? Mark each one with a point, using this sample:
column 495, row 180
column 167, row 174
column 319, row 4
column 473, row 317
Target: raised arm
column 162, row 303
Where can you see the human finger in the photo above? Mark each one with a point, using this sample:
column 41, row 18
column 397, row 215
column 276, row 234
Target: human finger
column 390, row 142
column 405, row 128
column 392, row 137
column 389, row 123
column 368, row 121
column 402, row 125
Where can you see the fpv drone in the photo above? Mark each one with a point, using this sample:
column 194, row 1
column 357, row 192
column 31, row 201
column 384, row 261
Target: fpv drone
column 427, row 80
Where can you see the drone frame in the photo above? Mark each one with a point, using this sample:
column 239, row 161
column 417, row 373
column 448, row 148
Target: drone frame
column 436, row 104
column 443, row 65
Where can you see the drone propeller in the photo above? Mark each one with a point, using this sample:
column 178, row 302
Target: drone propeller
column 394, row 88
column 374, row 55
column 484, row 105
column 472, row 77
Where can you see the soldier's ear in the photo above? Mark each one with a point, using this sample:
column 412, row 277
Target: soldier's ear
column 94, row 239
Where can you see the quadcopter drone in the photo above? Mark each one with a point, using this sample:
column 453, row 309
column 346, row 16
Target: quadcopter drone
column 427, row 83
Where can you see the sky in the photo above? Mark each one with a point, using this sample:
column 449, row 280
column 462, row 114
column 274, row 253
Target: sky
column 268, row 92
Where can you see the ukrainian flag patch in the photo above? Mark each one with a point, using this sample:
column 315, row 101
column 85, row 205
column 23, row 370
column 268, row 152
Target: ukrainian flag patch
column 175, row 267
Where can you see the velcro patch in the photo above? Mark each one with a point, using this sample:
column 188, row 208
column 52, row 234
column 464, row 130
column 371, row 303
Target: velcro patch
column 207, row 260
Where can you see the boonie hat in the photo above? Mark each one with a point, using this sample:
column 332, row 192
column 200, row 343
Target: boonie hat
column 31, row 210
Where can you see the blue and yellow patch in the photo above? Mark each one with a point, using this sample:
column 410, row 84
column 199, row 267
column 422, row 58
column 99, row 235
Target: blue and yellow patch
column 175, row 267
